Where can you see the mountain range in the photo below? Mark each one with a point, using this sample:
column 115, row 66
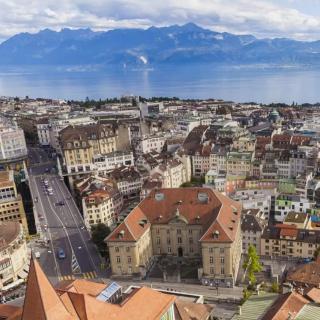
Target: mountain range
column 184, row 44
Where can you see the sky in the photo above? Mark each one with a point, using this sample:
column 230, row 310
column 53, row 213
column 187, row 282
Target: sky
column 299, row 19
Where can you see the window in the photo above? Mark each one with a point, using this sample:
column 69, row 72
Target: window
column 191, row 240
column 169, row 249
column 211, row 250
column 190, row 231
column 116, row 249
column 168, row 241
column 221, row 250
column 129, row 259
column 211, row 259
column 222, row 270
column 212, row 270
column 118, row 259
column 157, row 240
column 222, row 260
column 178, row 231
column 179, row 240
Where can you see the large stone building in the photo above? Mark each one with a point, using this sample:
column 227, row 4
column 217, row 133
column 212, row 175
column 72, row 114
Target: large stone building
column 11, row 206
column 181, row 222
column 13, row 253
column 80, row 144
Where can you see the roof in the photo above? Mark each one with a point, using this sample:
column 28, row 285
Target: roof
column 190, row 311
column 41, row 300
column 288, row 303
column 250, row 223
column 200, row 206
column 295, row 217
column 9, row 312
column 9, row 231
column 306, row 274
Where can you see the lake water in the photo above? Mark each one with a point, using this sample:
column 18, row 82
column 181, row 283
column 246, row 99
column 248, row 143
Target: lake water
column 241, row 83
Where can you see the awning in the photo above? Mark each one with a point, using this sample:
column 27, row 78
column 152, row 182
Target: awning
column 23, row 274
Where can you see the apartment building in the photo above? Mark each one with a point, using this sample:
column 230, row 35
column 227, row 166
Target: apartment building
column 13, row 146
column 201, row 160
column 113, row 160
column 81, row 143
column 251, row 228
column 128, row 179
column 13, row 254
column 239, row 163
column 286, row 203
column 150, row 143
column 43, row 131
column 101, row 200
column 11, row 206
column 288, row 240
column 189, row 223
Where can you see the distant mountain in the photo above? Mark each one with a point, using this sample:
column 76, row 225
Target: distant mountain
column 188, row 43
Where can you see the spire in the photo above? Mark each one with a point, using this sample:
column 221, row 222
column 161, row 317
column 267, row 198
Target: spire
column 41, row 300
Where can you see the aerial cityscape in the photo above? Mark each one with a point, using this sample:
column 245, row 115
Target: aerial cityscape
column 160, row 161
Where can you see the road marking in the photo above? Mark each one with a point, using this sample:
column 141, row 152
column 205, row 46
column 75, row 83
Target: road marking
column 89, row 275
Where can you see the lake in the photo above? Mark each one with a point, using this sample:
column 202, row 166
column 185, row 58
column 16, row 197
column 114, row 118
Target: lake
column 238, row 83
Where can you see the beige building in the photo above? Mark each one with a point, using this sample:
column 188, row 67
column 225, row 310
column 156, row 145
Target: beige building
column 11, row 206
column 193, row 223
column 80, row 144
column 288, row 240
column 239, row 163
column 13, row 253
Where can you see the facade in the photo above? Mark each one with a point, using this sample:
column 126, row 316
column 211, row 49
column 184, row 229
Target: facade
column 190, row 223
column 110, row 161
column 13, row 253
column 101, row 201
column 150, row 143
column 43, row 130
column 80, row 144
column 11, row 206
column 288, row 240
column 239, row 163
column 13, row 146
column 251, row 229
column 286, row 203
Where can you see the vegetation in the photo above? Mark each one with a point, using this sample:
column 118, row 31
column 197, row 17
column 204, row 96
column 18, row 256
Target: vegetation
column 252, row 265
column 246, row 295
column 316, row 253
column 275, row 287
column 98, row 233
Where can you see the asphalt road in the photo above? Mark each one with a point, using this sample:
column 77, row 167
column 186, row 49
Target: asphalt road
column 64, row 228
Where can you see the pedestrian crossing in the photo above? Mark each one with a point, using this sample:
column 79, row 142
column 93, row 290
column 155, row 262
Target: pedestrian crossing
column 86, row 275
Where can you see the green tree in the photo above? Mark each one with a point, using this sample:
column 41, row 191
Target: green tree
column 98, row 233
column 275, row 287
column 252, row 264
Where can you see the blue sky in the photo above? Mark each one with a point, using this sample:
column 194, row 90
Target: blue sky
column 299, row 19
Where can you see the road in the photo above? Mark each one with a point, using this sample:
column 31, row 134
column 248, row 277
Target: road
column 61, row 225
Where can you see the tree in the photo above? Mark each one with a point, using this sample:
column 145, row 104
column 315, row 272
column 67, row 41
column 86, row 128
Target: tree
column 252, row 264
column 316, row 253
column 275, row 287
column 98, row 233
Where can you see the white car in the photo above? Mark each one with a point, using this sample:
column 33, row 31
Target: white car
column 37, row 254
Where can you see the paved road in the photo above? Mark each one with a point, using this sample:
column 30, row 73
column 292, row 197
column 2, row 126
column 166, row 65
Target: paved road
column 64, row 228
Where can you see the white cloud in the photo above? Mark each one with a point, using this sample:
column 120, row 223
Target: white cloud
column 261, row 18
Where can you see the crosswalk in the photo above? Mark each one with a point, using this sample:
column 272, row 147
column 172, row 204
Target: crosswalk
column 86, row 275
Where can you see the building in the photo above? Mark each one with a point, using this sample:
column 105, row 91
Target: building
column 184, row 222
column 239, row 163
column 150, row 143
column 113, row 160
column 148, row 109
column 286, row 203
column 13, row 254
column 85, row 300
column 128, row 180
column 251, row 229
column 13, row 148
column 288, row 240
column 43, row 130
column 11, row 205
column 80, row 144
column 100, row 199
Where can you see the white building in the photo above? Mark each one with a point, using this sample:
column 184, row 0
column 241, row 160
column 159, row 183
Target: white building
column 43, row 130
column 12, row 142
column 150, row 108
column 150, row 143
column 13, row 254
column 112, row 160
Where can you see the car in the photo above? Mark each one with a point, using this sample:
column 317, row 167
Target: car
column 36, row 199
column 37, row 254
column 61, row 254
column 50, row 193
column 60, row 203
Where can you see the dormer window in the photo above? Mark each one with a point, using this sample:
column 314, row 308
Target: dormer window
column 215, row 234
